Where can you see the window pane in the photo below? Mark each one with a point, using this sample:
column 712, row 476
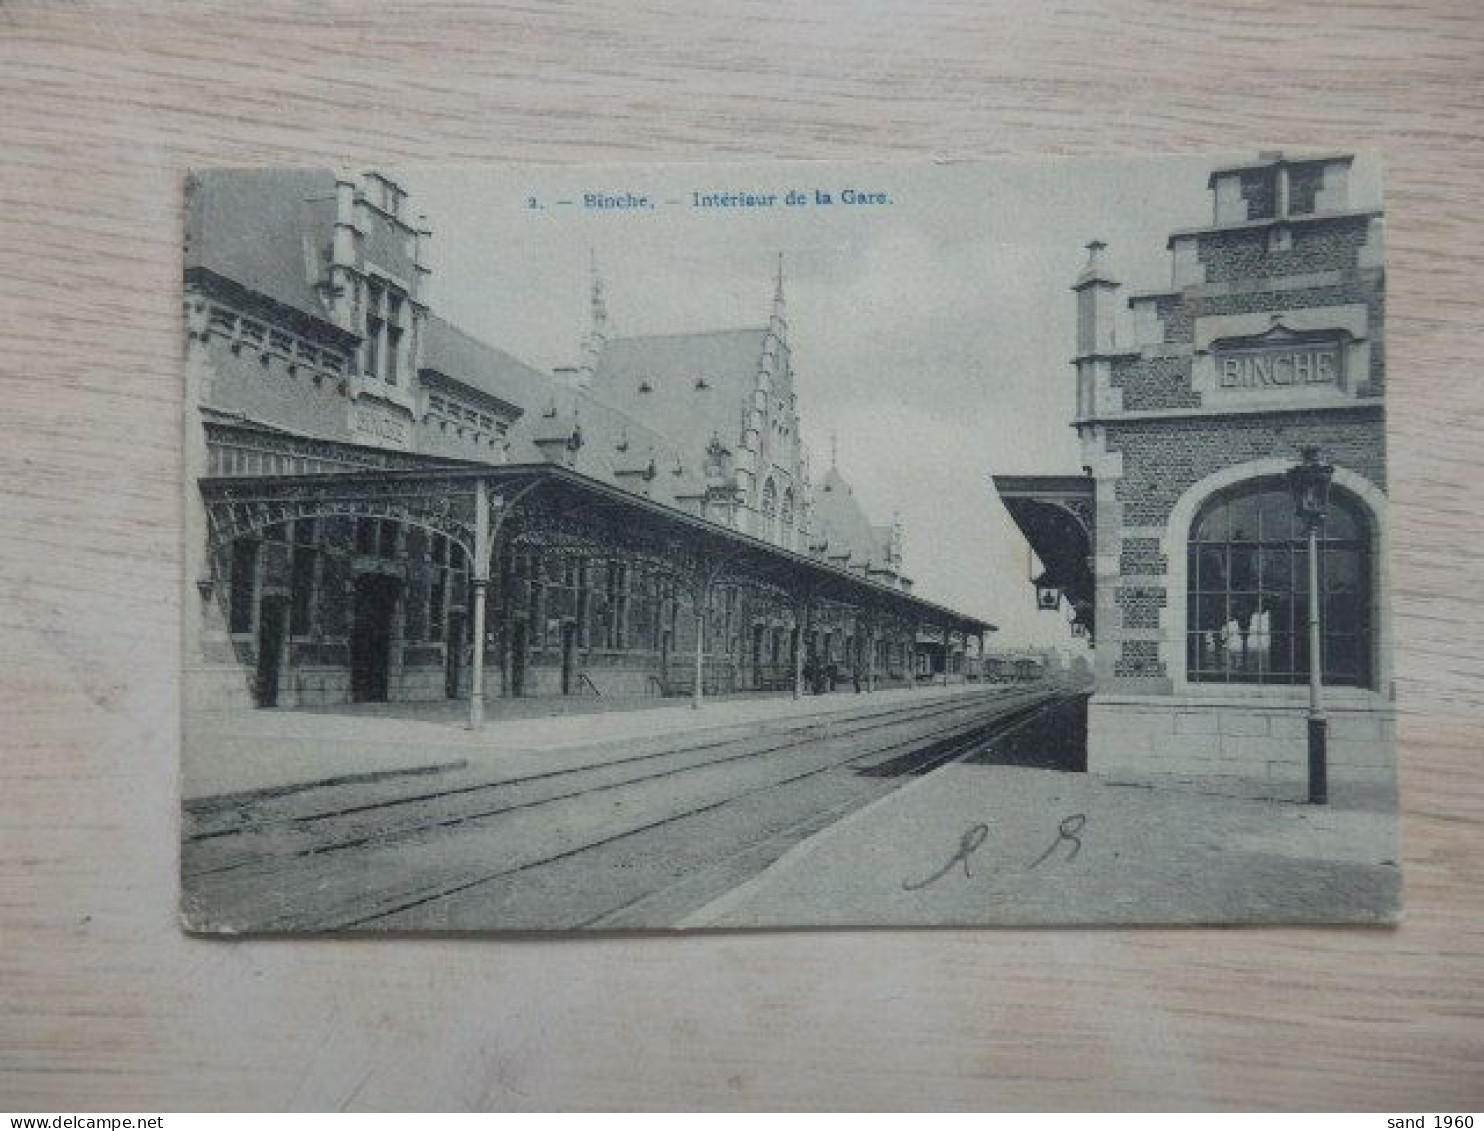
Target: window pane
column 1280, row 614
column 1342, row 656
column 1343, row 612
column 1276, row 568
column 1243, row 568
column 1213, row 525
column 1280, row 654
column 1276, row 515
column 1210, row 611
column 1243, row 519
column 1202, row 653
column 1342, row 570
column 1211, row 567
column 1339, row 523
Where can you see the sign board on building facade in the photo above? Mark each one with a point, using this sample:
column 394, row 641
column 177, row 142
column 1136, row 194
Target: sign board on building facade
column 1265, row 367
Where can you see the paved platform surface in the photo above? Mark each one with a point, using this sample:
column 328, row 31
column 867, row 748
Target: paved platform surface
column 1015, row 844
column 252, row 751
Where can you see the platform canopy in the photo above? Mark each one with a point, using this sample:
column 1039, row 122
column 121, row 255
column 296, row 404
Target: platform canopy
column 548, row 509
column 1057, row 514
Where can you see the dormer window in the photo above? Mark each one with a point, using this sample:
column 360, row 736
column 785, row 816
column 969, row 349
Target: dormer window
column 645, row 386
column 1260, row 191
column 1304, row 183
column 702, row 383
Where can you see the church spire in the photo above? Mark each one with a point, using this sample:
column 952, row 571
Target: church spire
column 778, row 324
column 597, row 335
column 599, row 304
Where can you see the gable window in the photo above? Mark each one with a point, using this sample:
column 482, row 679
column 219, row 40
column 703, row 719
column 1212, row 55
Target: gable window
column 770, row 510
column 386, row 326
column 1259, row 190
column 374, row 327
column 1248, row 590
column 394, row 330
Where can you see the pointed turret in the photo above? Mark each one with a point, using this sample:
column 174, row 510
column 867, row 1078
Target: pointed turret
column 778, row 323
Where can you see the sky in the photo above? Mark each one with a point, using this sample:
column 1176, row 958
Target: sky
column 931, row 335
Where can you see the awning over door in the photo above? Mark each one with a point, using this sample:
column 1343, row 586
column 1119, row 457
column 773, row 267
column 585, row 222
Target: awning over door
column 1057, row 514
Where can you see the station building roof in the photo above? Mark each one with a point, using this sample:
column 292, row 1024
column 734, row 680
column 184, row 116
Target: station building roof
column 842, row 528
column 267, row 230
column 466, row 360
column 688, row 387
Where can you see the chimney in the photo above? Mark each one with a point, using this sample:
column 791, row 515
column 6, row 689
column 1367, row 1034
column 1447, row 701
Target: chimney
column 1096, row 291
column 343, row 253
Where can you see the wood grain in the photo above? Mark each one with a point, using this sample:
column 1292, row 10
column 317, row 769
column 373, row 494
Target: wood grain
column 104, row 1004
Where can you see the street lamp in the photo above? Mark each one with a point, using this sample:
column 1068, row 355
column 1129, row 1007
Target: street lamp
column 1309, row 482
column 1048, row 595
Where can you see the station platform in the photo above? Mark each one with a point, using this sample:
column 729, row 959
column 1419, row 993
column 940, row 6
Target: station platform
column 257, row 751
column 1004, row 840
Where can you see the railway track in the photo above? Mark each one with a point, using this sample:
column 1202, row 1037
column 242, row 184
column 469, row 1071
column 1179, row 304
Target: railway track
column 359, row 819
column 375, row 857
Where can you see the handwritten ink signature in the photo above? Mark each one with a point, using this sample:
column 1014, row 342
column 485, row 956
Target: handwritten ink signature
column 1066, row 833
column 968, row 844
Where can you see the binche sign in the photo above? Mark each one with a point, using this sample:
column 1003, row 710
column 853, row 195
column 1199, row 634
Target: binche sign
column 1276, row 366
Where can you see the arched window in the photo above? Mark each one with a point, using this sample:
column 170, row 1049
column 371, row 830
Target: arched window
column 786, row 518
column 770, row 509
column 1247, row 615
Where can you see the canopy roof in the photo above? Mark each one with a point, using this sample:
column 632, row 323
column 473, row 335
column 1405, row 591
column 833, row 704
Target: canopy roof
column 557, row 509
column 1057, row 515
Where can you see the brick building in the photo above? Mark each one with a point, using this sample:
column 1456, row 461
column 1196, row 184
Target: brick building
column 1177, row 548
column 370, row 482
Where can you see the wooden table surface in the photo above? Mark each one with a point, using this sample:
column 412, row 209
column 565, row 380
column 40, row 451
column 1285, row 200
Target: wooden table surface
column 105, row 1005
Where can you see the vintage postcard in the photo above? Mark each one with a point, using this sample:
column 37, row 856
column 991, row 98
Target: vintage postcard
column 715, row 546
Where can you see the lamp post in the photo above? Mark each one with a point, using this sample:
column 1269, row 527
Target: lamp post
column 1309, row 482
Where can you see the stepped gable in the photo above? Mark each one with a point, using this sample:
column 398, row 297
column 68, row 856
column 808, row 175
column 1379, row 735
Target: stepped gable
column 685, row 387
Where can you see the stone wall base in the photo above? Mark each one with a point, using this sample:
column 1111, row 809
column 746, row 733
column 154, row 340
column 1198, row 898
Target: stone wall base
column 1148, row 738
column 216, row 687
